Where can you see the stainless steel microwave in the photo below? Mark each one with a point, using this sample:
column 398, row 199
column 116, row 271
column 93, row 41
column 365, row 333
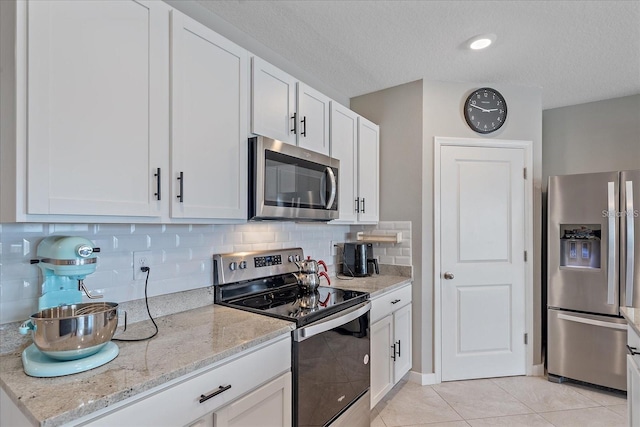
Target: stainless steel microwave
column 291, row 183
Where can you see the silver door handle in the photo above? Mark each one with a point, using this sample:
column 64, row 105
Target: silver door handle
column 448, row 275
column 629, row 219
column 611, row 264
column 593, row 322
column 331, row 322
column 334, row 187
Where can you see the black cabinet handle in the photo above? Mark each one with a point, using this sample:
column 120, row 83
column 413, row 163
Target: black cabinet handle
column 220, row 389
column 395, row 301
column 357, row 204
column 157, row 175
column 632, row 350
column 393, row 353
column 181, row 193
column 295, row 123
column 304, row 126
column 363, row 211
column 398, row 352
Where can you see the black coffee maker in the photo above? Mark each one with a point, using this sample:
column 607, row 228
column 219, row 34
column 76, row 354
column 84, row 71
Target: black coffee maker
column 358, row 260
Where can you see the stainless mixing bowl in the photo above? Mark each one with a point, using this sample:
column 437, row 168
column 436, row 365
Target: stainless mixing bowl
column 74, row 331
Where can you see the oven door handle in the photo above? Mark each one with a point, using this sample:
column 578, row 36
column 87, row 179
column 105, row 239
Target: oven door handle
column 331, row 322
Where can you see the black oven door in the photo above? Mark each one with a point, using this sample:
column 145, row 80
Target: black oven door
column 331, row 366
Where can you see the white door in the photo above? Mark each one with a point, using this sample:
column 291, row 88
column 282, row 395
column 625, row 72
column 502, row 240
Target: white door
column 482, row 283
column 368, row 170
column 273, row 102
column 381, row 358
column 209, row 123
column 97, row 106
column 313, row 119
column 402, row 341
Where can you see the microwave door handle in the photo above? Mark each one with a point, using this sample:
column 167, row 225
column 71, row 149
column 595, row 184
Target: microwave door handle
column 334, row 187
column 629, row 219
column 611, row 239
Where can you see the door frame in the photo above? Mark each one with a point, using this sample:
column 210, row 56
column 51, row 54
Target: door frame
column 527, row 146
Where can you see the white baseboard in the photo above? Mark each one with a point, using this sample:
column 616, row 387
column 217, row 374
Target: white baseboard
column 537, row 370
column 422, row 379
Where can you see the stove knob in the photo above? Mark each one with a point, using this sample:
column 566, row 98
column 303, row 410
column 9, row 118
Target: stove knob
column 242, row 265
column 233, row 265
column 298, row 258
column 290, row 258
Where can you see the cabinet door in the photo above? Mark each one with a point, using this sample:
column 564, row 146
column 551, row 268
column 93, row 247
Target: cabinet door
column 633, row 392
column 97, row 106
column 313, row 119
column 402, row 340
column 368, row 170
column 344, row 147
column 381, row 361
column 268, row 406
column 273, row 102
column 209, row 123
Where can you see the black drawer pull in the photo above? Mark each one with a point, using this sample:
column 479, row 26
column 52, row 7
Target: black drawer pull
column 632, row 350
column 220, row 389
column 393, row 352
column 157, row 175
column 395, row 301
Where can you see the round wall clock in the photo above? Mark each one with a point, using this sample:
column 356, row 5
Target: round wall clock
column 485, row 110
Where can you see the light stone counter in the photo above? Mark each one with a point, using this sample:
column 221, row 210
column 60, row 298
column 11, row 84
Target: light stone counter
column 389, row 279
column 187, row 341
column 633, row 317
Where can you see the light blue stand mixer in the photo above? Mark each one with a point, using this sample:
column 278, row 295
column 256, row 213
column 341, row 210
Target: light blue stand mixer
column 69, row 336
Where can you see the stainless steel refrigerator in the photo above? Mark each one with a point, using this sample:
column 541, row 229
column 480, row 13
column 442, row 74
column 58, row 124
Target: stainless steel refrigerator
column 593, row 267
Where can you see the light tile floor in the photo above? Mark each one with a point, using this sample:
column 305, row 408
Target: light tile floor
column 512, row 401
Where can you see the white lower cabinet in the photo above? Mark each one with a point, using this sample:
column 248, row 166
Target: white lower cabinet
column 390, row 341
column 254, row 388
column 268, row 406
column 633, row 378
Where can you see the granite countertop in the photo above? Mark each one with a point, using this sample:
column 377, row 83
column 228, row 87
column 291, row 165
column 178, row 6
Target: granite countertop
column 187, row 341
column 389, row 279
column 633, row 317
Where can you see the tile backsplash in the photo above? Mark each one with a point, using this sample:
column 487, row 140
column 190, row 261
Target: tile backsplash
column 180, row 255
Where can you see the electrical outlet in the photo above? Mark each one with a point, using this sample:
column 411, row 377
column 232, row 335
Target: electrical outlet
column 334, row 248
column 140, row 259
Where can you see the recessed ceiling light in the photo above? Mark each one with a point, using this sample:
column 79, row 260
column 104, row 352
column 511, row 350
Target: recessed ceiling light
column 481, row 41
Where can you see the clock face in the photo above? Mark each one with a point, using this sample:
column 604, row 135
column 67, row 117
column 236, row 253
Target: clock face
column 485, row 110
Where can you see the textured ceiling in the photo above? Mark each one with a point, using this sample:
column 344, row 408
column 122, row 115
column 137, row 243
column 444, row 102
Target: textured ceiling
column 576, row 51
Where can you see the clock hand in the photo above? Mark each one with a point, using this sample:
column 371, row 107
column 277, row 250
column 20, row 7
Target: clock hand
column 480, row 108
column 493, row 109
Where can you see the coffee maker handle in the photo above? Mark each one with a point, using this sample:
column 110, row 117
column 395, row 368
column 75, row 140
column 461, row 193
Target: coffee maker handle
column 375, row 264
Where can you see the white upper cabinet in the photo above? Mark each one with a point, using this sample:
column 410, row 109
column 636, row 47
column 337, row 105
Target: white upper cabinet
column 344, row 147
column 368, row 171
column 285, row 109
column 313, row 119
column 209, row 123
column 355, row 142
column 273, row 106
column 96, row 106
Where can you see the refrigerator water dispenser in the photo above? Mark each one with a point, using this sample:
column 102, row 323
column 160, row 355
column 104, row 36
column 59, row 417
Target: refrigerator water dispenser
column 580, row 246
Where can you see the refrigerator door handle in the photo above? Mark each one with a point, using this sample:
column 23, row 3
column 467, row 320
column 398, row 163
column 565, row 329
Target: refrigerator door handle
column 593, row 322
column 629, row 212
column 611, row 264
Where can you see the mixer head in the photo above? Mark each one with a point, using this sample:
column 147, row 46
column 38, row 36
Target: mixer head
column 73, row 257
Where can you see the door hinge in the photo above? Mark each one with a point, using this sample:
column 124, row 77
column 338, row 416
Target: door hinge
column 525, row 256
column 526, row 338
column 524, row 173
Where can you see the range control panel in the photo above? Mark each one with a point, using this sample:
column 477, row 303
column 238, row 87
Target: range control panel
column 267, row 260
column 241, row 266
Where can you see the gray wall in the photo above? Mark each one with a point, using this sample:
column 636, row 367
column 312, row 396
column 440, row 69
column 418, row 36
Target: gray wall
column 407, row 173
column 595, row 137
column 398, row 111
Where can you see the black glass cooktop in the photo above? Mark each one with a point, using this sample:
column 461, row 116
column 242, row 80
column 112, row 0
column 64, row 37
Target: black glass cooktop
column 291, row 303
